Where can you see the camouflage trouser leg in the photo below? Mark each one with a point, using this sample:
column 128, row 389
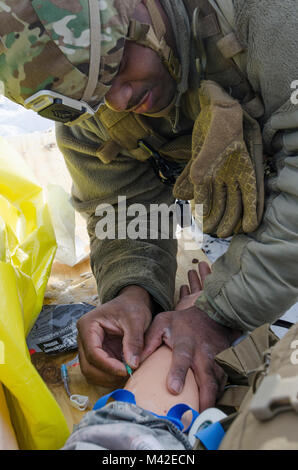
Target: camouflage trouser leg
column 123, row 426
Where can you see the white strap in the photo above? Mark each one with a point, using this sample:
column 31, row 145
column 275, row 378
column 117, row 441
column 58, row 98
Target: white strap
column 95, row 49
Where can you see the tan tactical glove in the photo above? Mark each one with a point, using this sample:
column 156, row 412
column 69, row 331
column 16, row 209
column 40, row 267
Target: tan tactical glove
column 222, row 175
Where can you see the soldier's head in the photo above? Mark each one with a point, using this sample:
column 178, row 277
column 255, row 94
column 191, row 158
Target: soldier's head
column 63, row 58
column 143, row 83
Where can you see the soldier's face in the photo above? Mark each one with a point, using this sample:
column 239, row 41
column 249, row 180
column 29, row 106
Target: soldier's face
column 143, row 84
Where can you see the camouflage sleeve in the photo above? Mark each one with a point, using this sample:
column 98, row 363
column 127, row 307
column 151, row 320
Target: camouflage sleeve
column 124, row 426
column 120, row 261
column 256, row 280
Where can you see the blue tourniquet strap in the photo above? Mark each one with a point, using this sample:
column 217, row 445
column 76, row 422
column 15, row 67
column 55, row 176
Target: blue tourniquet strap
column 178, row 411
column 119, row 395
column 211, row 436
column 174, row 414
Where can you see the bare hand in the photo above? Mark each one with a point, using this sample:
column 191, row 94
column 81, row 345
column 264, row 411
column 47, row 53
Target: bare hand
column 112, row 332
column 189, row 294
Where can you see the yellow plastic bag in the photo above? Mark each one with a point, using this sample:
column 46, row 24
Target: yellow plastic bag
column 7, row 435
column 27, row 250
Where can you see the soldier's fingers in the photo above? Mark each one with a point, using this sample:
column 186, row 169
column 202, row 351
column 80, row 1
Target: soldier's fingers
column 208, row 386
column 91, row 340
column 154, row 335
column 221, row 379
column 210, row 380
column 211, row 386
column 217, row 209
column 203, row 196
column 133, row 342
column 194, row 281
column 97, row 376
column 232, row 213
column 184, row 291
column 182, row 355
column 204, row 270
column 249, row 200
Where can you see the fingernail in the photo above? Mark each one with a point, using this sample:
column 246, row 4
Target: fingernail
column 176, row 386
column 134, row 361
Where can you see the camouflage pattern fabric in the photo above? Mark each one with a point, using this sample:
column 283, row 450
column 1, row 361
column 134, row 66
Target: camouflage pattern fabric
column 124, row 426
column 46, row 45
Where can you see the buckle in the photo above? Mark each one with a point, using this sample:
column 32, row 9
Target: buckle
column 275, row 395
column 166, row 171
column 174, row 66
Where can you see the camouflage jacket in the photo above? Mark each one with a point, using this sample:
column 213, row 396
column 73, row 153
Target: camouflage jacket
column 255, row 281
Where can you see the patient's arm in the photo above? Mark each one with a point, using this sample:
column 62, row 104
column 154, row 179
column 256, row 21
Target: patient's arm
column 148, row 383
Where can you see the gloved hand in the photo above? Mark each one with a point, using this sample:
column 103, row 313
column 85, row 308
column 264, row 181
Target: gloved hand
column 222, row 175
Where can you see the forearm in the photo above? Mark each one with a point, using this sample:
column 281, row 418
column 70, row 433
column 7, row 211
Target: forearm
column 121, row 263
column 137, row 294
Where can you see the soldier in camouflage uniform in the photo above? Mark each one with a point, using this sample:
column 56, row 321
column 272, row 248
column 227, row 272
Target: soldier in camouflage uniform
column 207, row 84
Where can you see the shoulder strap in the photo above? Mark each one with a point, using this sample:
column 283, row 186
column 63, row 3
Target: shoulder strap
column 226, row 14
column 131, row 132
column 232, row 49
column 229, row 45
column 214, row 20
column 126, row 130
